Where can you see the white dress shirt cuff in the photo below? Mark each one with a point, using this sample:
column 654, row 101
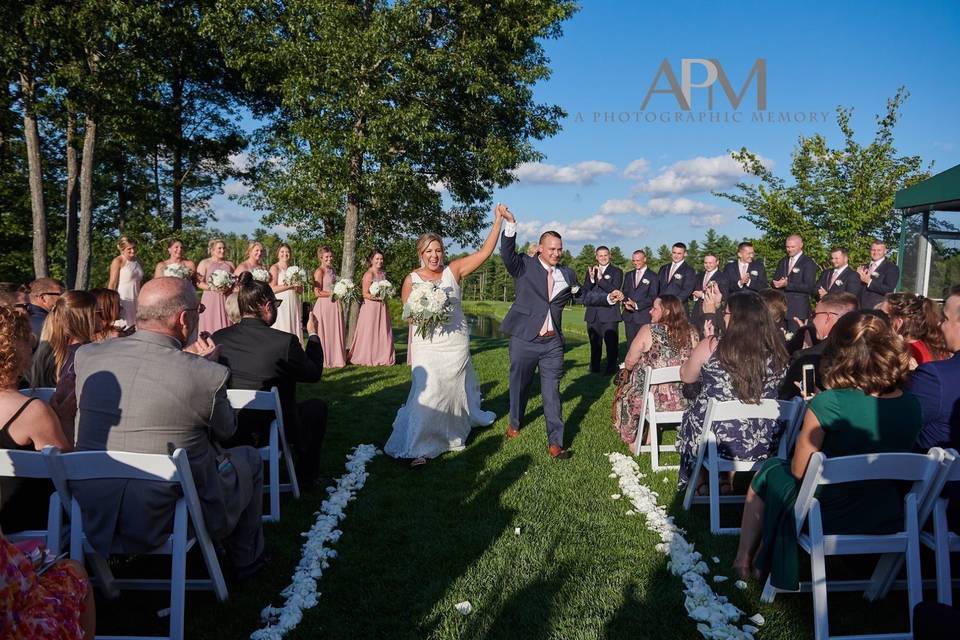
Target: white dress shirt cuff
column 509, row 229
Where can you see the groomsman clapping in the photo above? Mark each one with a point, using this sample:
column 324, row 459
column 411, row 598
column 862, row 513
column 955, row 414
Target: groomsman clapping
column 796, row 276
column 602, row 322
column 745, row 272
column 640, row 289
column 841, row 278
column 879, row 278
column 677, row 278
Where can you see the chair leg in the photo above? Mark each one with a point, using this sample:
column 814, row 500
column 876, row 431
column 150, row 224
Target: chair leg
column 818, row 574
column 178, row 571
column 713, row 475
column 694, row 476
column 941, row 552
column 654, row 443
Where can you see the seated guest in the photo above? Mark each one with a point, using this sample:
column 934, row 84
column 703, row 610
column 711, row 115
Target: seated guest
column 917, row 319
column 110, row 322
column 863, row 410
column 746, row 363
column 232, row 308
column 831, row 308
column 27, row 424
column 776, row 304
column 72, row 323
column 43, row 295
column 260, row 357
column 666, row 342
column 936, row 385
column 17, row 296
column 147, row 394
column 57, row 603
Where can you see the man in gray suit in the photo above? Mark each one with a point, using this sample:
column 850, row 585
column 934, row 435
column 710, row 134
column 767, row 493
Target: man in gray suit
column 534, row 323
column 147, row 394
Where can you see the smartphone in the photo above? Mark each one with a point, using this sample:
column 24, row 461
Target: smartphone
column 807, row 381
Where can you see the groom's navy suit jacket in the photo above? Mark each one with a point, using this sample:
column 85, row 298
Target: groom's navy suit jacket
column 525, row 317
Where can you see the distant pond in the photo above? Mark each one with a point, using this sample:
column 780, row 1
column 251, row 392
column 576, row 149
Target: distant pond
column 484, row 327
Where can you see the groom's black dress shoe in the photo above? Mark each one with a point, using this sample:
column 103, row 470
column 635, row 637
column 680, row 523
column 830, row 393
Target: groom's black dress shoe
column 559, row 453
column 512, row 432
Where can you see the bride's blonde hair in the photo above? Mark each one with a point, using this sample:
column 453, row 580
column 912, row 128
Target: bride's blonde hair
column 424, row 241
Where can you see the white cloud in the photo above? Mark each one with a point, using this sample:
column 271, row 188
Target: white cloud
column 623, row 206
column 234, row 216
column 239, row 161
column 581, row 173
column 696, row 174
column 636, row 169
column 439, row 186
column 706, row 221
column 596, row 227
column 680, row 207
column 235, row 188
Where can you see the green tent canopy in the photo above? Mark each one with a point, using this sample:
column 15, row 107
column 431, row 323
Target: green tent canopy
column 937, row 193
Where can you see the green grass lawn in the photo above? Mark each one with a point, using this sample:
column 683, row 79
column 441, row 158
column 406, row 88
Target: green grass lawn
column 417, row 542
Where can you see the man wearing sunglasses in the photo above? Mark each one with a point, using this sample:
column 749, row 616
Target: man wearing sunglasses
column 44, row 293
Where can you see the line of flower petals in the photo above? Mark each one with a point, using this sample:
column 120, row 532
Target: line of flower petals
column 716, row 617
column 301, row 593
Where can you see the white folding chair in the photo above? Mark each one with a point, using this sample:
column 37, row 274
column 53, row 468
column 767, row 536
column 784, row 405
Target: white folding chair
column 783, row 411
column 270, row 401
column 32, row 465
column 942, row 540
column 793, row 417
column 655, row 419
column 921, row 470
column 44, row 393
column 117, row 465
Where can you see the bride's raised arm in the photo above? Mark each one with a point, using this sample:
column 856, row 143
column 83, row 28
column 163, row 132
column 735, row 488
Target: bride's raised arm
column 466, row 265
column 405, row 289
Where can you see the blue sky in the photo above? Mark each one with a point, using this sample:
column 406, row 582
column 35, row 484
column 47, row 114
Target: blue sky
column 647, row 183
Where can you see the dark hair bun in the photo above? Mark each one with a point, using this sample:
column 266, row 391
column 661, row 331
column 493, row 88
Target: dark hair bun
column 245, row 279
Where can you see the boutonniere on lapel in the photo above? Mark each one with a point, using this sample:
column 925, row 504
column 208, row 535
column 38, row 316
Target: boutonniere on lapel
column 606, row 276
column 838, row 282
column 645, row 281
column 796, row 270
column 574, row 289
column 754, row 273
column 874, row 275
column 678, row 276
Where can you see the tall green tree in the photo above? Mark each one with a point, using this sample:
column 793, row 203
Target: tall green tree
column 391, row 118
column 836, row 196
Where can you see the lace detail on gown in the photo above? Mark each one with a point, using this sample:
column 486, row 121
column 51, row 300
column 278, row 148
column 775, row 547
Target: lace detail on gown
column 444, row 400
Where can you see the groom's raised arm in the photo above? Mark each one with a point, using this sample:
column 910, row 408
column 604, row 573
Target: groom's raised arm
column 508, row 250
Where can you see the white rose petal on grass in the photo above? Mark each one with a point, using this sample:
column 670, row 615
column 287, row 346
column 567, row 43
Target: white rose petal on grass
column 464, row 608
column 720, row 578
column 757, row 619
column 740, row 584
column 749, row 628
column 630, row 512
column 715, row 559
column 615, row 496
column 516, row 531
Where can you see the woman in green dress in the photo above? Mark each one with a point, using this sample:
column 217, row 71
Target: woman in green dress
column 863, row 410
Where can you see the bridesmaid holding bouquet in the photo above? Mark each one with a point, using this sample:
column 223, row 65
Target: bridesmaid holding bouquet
column 126, row 274
column 176, row 265
column 253, row 263
column 330, row 327
column 373, row 338
column 287, row 284
column 215, row 279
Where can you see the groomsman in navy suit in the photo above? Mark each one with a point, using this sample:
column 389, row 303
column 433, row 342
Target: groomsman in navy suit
column 796, row 276
column 745, row 272
column 841, row 278
column 603, row 322
column 640, row 288
column 710, row 273
column 879, row 278
column 677, row 278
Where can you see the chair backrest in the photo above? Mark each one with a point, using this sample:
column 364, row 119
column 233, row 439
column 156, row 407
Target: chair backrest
column 662, row 375
column 792, row 413
column 44, row 393
column 920, row 469
column 23, row 464
column 724, row 410
column 257, row 400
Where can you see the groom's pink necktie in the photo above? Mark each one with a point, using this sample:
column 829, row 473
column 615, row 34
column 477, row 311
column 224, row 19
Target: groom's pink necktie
column 547, row 326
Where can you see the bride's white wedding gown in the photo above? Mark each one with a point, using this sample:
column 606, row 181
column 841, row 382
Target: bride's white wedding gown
column 444, row 400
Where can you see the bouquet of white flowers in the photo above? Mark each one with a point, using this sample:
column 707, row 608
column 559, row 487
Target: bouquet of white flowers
column 177, row 270
column 382, row 290
column 428, row 307
column 260, row 274
column 295, row 276
column 221, row 280
column 344, row 291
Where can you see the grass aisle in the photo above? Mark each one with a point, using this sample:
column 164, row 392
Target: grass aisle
column 415, row 543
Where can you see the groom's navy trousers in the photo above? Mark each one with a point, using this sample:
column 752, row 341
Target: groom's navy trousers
column 525, row 357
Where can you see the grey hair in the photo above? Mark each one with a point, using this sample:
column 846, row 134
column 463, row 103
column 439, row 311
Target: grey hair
column 164, row 310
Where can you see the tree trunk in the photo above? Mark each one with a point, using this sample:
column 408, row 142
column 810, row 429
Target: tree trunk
column 177, row 97
column 73, row 198
column 156, row 182
column 85, row 238
column 121, row 166
column 32, row 136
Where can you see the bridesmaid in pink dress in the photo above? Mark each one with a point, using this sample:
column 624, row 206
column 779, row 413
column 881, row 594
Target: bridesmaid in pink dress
column 373, row 338
column 214, row 316
column 330, row 327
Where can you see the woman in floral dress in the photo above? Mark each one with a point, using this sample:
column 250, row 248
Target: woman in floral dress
column 666, row 342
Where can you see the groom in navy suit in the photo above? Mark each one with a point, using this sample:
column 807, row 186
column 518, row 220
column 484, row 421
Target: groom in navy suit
column 542, row 289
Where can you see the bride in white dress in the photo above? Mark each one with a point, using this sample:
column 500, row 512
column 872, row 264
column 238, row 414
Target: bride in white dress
column 444, row 400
